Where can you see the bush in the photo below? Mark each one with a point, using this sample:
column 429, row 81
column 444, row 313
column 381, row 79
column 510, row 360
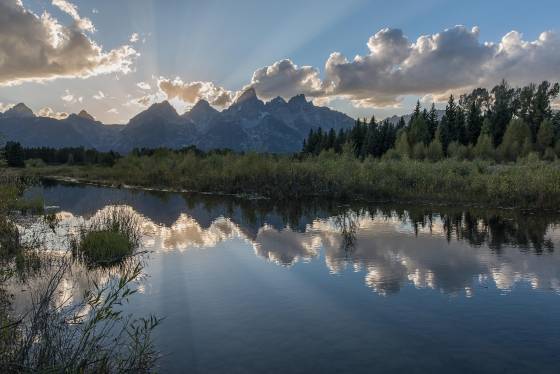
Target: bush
column 419, row 151
column 435, row 151
column 484, row 148
column 105, row 246
column 10, row 243
column 35, row 163
column 549, row 154
column 109, row 237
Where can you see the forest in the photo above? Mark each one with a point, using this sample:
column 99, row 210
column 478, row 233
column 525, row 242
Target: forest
column 502, row 125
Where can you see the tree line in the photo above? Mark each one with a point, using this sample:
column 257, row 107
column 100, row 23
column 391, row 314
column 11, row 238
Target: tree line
column 501, row 124
column 16, row 155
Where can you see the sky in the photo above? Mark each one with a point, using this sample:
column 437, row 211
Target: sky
column 114, row 58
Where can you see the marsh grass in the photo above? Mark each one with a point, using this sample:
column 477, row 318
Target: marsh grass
column 60, row 332
column 91, row 335
column 107, row 238
column 526, row 183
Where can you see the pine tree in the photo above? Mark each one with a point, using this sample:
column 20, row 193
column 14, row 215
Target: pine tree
column 432, row 121
column 474, row 123
column 14, row 154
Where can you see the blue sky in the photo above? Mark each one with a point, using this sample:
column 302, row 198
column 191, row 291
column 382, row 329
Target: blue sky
column 225, row 42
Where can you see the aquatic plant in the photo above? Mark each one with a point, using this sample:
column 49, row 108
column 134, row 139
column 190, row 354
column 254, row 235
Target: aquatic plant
column 107, row 238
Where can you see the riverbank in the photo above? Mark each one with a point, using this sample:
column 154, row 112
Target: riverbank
column 528, row 184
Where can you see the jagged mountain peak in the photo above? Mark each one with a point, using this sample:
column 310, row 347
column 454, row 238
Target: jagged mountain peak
column 298, row 100
column 20, row 111
column 84, row 114
column 202, row 106
column 278, row 100
column 164, row 106
column 248, row 95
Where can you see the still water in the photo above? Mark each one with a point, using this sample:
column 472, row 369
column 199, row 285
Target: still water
column 256, row 287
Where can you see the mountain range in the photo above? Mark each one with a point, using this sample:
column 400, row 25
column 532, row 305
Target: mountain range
column 248, row 124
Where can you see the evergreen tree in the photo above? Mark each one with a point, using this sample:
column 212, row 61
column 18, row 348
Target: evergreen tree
column 14, row 154
column 474, row 123
column 502, row 110
column 418, row 131
column 443, row 133
column 416, row 113
column 432, row 121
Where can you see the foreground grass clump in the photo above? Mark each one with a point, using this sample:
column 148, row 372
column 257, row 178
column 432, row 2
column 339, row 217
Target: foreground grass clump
column 105, row 246
column 108, row 238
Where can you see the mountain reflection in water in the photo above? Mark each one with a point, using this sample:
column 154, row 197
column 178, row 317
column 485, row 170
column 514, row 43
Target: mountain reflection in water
column 455, row 251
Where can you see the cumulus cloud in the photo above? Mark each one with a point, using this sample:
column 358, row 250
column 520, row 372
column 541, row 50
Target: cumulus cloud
column 134, row 37
column 432, row 66
column 99, row 95
column 453, row 59
column 144, row 86
column 49, row 112
column 34, row 48
column 70, row 98
column 191, row 92
column 5, row 107
column 72, row 10
column 286, row 79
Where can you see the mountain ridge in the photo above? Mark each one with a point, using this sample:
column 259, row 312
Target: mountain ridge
column 249, row 124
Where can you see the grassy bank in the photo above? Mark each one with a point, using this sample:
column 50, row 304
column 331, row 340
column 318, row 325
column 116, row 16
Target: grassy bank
column 529, row 183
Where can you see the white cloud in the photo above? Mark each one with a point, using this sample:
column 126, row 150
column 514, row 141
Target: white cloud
column 34, row 48
column 453, row 59
column 286, row 79
column 72, row 10
column 67, row 97
column 99, row 95
column 191, row 92
column 70, row 98
column 144, row 86
column 48, row 112
column 134, row 37
column 432, row 66
column 95, row 11
column 5, row 107
column 113, row 111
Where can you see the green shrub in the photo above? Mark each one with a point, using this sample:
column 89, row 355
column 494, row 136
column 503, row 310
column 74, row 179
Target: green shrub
column 549, row 154
column 105, row 246
column 435, row 151
column 10, row 242
column 109, row 237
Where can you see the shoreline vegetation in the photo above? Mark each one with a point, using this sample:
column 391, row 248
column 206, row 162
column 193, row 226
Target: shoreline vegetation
column 69, row 320
column 498, row 148
column 527, row 184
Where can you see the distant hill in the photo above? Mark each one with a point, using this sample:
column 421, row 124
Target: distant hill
column 395, row 119
column 248, row 124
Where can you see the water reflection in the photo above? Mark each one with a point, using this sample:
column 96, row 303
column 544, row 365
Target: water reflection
column 454, row 251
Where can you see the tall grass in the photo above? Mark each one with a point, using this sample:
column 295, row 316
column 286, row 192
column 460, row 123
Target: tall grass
column 57, row 333
column 528, row 184
column 88, row 336
column 109, row 237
